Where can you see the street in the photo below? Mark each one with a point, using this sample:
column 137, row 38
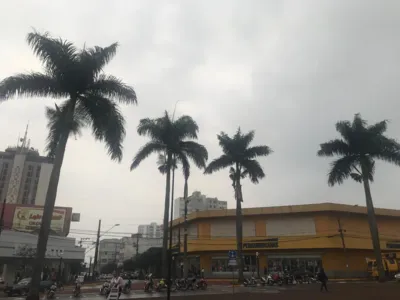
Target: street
column 342, row 291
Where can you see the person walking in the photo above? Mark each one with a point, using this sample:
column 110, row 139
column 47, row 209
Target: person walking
column 323, row 279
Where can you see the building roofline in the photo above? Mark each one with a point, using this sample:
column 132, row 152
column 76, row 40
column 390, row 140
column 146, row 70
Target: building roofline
column 288, row 209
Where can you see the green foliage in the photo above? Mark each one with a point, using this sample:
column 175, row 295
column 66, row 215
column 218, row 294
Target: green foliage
column 171, row 137
column 360, row 145
column 238, row 155
column 75, row 75
column 148, row 260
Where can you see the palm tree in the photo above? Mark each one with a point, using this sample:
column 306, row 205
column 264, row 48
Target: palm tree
column 361, row 144
column 238, row 155
column 75, row 75
column 175, row 139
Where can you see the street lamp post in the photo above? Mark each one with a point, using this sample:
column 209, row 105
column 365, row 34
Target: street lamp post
column 258, row 264
column 95, row 263
column 60, row 266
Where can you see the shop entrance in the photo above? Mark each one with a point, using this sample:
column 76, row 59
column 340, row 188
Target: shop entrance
column 294, row 264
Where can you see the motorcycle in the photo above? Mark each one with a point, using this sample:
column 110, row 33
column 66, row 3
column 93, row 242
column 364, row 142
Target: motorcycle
column 202, row 284
column 148, row 283
column 77, row 289
column 105, row 288
column 190, row 283
column 181, row 284
column 274, row 279
column 163, row 284
column 127, row 287
column 51, row 292
column 250, row 281
column 289, row 279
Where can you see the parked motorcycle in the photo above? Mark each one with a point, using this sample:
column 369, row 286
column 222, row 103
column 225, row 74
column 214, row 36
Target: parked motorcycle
column 51, row 292
column 201, row 284
column 148, row 283
column 250, row 281
column 190, row 283
column 289, row 279
column 274, row 279
column 105, row 288
column 181, row 284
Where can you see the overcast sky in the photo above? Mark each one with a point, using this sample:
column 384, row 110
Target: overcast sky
column 286, row 69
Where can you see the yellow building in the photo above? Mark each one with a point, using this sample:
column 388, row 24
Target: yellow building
column 289, row 237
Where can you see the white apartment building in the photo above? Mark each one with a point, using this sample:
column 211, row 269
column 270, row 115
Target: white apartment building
column 109, row 250
column 24, row 174
column 152, row 230
column 197, row 202
column 137, row 244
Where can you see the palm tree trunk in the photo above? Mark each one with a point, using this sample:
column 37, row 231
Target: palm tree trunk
column 239, row 229
column 48, row 210
column 185, row 236
column 164, row 254
column 373, row 227
column 170, row 232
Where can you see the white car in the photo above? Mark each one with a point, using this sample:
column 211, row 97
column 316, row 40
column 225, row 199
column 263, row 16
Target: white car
column 397, row 277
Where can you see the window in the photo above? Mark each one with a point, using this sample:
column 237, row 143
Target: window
column 220, row 265
column 294, row 264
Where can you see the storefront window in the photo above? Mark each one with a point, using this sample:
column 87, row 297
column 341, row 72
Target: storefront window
column 250, row 263
column 219, row 265
column 294, row 264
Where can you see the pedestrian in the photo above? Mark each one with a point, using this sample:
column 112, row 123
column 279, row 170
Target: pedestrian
column 323, row 279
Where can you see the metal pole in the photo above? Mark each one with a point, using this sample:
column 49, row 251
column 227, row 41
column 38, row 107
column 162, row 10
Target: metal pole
column 96, row 251
column 185, row 231
column 2, row 215
column 137, row 244
column 90, row 266
column 341, row 230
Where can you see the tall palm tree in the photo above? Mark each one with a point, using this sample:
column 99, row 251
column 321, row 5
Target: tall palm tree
column 75, row 75
column 358, row 148
column 175, row 138
column 238, row 155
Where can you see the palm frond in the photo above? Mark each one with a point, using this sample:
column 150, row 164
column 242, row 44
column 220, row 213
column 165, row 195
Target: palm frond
column 58, row 124
column 94, row 59
column 145, row 151
column 341, row 170
column 183, row 160
column 246, row 139
column 225, row 142
column 345, row 130
column 334, row 147
column 107, row 122
column 30, row 85
column 356, row 177
column 359, row 124
column 257, row 151
column 254, row 170
column 185, row 127
column 56, row 54
column 219, row 163
column 151, row 128
column 378, row 128
column 109, row 86
column 162, row 163
column 196, row 152
column 369, row 167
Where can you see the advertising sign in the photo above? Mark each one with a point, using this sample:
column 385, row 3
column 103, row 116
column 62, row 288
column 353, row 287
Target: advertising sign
column 28, row 219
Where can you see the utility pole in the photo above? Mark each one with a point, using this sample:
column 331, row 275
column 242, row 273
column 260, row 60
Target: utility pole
column 185, row 232
column 2, row 216
column 341, row 231
column 90, row 265
column 96, row 254
column 137, row 244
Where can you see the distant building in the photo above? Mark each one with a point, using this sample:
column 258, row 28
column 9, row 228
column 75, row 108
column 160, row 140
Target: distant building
column 197, row 202
column 152, row 230
column 109, row 250
column 24, row 174
column 137, row 244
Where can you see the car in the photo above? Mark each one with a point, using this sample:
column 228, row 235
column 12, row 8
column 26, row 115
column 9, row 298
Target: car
column 22, row 287
column 397, row 277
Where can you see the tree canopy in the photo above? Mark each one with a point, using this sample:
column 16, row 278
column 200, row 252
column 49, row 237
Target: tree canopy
column 358, row 148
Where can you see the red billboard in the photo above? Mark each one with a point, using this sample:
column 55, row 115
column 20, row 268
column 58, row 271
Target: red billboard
column 27, row 218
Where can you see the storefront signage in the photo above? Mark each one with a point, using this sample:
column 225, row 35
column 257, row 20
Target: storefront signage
column 260, row 244
column 393, row 245
column 28, row 219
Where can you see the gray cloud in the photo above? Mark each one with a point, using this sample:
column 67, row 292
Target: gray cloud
column 287, row 69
